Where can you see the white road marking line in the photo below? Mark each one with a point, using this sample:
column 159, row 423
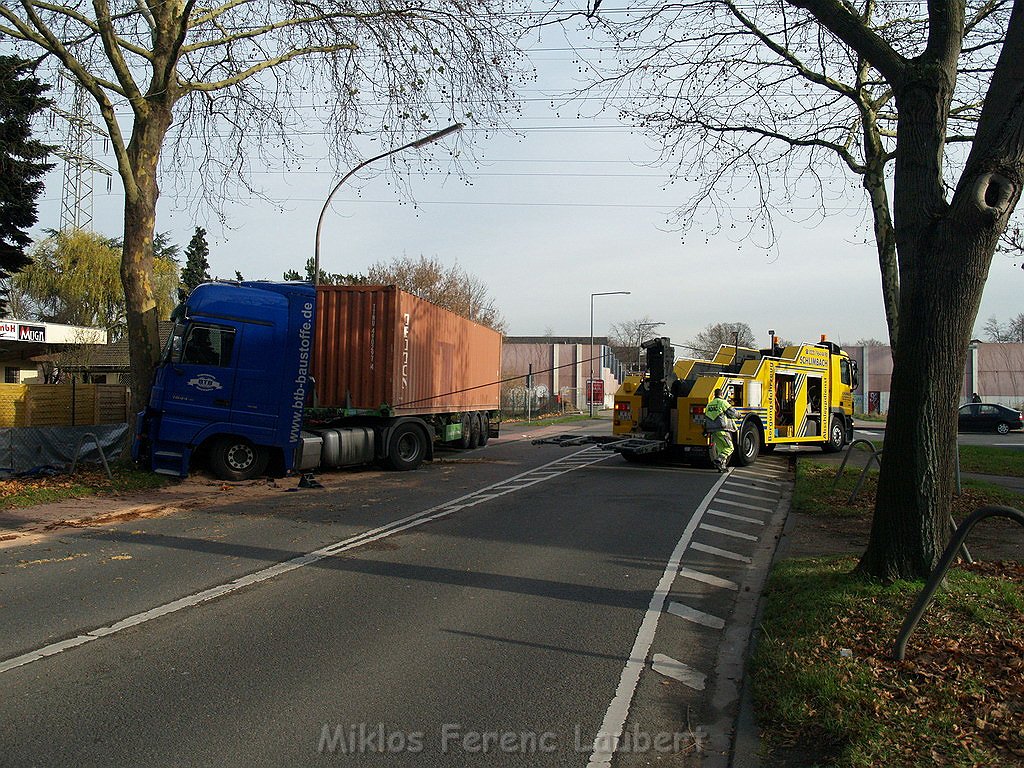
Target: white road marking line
column 727, row 532
column 731, row 516
column 607, row 739
column 755, row 496
column 748, row 472
column 759, row 484
column 708, row 578
column 677, row 670
column 720, row 552
column 772, row 494
column 697, row 617
column 388, row 529
column 743, row 505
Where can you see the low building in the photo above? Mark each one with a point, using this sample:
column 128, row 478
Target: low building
column 31, row 352
column 561, row 368
column 995, row 371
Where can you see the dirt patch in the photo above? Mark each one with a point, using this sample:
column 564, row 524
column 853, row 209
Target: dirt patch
column 812, row 536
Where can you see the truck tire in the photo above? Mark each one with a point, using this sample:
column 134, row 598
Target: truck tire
column 474, row 430
column 836, row 435
column 407, row 447
column 748, row 444
column 467, row 430
column 485, row 428
column 235, row 458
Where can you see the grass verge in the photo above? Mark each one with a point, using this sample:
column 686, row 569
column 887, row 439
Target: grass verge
column 29, row 491
column 828, row 692
column 989, row 460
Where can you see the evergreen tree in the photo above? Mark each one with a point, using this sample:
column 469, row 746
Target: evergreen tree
column 197, row 267
column 326, row 278
column 21, row 164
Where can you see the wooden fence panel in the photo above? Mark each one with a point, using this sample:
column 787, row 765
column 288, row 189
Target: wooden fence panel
column 62, row 405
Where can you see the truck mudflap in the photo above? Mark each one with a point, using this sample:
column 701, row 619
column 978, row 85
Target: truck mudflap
column 629, row 446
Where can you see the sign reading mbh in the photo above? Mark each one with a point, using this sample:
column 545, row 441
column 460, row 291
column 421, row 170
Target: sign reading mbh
column 22, row 332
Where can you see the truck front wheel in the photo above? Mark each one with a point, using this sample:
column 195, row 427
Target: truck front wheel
column 748, row 445
column 407, row 447
column 836, row 435
column 235, row 458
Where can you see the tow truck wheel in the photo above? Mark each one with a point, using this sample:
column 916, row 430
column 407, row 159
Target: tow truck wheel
column 836, row 436
column 235, row 458
column 484, row 428
column 407, row 448
column 749, row 444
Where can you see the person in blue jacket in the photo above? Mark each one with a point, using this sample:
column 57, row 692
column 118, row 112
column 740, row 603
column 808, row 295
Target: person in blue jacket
column 718, row 416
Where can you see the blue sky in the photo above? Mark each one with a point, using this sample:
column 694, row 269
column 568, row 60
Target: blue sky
column 565, row 205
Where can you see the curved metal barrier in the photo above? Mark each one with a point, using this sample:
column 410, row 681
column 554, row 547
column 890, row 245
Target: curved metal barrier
column 99, row 447
column 876, row 456
column 944, row 563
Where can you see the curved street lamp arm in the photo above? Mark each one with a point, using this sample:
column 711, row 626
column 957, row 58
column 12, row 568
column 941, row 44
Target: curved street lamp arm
column 429, row 139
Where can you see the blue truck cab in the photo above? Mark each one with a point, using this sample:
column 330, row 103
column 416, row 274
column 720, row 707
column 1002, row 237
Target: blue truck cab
column 232, row 381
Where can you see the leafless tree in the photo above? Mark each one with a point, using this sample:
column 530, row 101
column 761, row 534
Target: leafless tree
column 771, row 98
column 447, row 285
column 626, row 337
column 707, row 341
column 229, row 83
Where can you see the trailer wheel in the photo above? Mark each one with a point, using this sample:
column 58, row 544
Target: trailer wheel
column 467, row 431
column 235, row 458
column 407, row 447
column 485, row 427
column 474, row 430
column 836, row 435
column 748, row 444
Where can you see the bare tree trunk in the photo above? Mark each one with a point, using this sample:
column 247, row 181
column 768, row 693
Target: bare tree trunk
column 137, row 257
column 915, row 488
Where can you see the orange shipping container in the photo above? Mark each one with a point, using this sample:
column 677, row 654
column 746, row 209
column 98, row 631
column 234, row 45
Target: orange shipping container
column 379, row 345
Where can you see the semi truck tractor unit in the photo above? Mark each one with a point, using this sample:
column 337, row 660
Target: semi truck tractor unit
column 285, row 377
column 794, row 395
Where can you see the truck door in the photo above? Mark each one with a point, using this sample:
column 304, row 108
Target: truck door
column 199, row 381
column 256, row 397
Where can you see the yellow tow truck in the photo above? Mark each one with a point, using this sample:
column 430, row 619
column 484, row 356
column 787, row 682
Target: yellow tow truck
column 794, row 395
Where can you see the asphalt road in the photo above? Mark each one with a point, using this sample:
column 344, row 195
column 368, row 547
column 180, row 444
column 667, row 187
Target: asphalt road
column 486, row 609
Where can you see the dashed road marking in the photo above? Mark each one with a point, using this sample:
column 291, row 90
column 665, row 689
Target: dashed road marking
column 677, row 670
column 727, row 532
column 738, row 518
column 743, row 505
column 721, row 552
column 708, row 578
column 754, row 496
column 697, row 617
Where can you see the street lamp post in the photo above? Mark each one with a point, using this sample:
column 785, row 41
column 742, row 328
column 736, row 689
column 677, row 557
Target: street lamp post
column 436, row 136
column 640, row 328
column 590, row 381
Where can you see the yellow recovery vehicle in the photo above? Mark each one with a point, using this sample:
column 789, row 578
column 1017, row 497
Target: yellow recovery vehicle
column 797, row 395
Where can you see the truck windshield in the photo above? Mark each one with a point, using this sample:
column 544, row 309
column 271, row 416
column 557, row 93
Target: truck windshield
column 172, row 347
